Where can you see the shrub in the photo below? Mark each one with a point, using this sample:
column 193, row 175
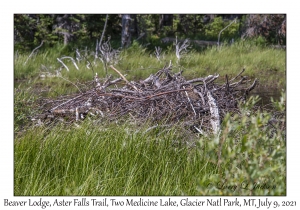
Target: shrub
column 249, row 154
column 213, row 29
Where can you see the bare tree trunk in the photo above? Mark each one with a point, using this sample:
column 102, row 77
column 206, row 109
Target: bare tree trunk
column 126, row 33
column 64, row 26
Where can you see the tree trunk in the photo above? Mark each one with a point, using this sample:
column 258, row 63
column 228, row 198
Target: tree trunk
column 126, row 33
column 63, row 24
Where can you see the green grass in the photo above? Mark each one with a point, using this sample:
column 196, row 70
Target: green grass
column 265, row 63
column 262, row 62
column 105, row 160
column 122, row 158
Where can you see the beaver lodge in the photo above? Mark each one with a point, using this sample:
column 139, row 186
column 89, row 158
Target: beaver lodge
column 199, row 103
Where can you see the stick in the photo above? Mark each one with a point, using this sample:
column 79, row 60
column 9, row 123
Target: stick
column 103, row 30
column 234, row 21
column 144, row 98
column 251, row 87
column 227, row 84
column 134, row 87
column 73, row 61
column 237, row 75
column 201, row 79
column 33, row 51
column 190, row 101
column 71, row 83
column 64, row 103
column 214, row 111
column 199, row 130
column 63, row 64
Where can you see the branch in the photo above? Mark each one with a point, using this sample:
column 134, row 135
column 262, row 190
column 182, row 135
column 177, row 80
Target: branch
column 33, row 51
column 133, row 86
column 214, row 112
column 234, row 21
column 63, row 64
column 73, row 61
column 190, row 101
column 180, row 47
column 71, row 83
column 103, row 30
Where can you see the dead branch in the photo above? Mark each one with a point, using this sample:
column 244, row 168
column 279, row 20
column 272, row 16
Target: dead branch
column 198, row 104
column 128, row 83
column 34, row 51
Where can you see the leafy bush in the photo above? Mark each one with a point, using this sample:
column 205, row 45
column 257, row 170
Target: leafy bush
column 213, row 29
column 260, row 41
column 250, row 156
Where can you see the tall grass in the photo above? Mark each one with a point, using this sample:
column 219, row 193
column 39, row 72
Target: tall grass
column 138, row 62
column 108, row 160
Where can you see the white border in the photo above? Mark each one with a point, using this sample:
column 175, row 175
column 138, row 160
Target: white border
column 8, row 8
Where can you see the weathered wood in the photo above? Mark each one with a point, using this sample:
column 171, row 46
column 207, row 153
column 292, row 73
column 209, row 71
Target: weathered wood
column 164, row 96
column 214, row 112
column 126, row 33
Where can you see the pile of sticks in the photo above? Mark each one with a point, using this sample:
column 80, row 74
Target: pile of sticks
column 165, row 96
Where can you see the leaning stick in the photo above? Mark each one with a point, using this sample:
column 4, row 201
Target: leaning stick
column 187, row 95
column 33, row 51
column 65, row 103
column 73, row 61
column 71, row 83
column 63, row 64
column 134, row 87
column 237, row 75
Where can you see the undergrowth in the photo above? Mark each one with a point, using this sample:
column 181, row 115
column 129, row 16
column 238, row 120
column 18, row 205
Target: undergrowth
column 138, row 62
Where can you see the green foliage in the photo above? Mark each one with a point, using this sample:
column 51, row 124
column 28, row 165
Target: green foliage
column 281, row 104
column 189, row 25
column 24, row 28
column 260, row 41
column 44, row 25
column 213, row 29
column 136, row 48
column 53, row 29
column 31, row 29
column 251, row 157
column 94, row 25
